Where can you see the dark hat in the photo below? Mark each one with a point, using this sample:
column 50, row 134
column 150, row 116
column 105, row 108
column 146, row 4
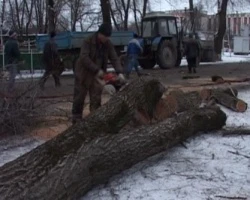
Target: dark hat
column 105, row 29
column 12, row 34
column 52, row 34
column 136, row 35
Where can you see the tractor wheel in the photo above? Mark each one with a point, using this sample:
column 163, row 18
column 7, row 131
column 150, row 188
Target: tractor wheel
column 167, row 55
column 179, row 58
column 147, row 63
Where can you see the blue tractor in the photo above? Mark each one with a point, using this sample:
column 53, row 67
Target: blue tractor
column 161, row 41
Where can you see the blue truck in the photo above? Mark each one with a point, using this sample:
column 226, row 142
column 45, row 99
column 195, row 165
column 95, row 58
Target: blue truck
column 69, row 43
column 162, row 42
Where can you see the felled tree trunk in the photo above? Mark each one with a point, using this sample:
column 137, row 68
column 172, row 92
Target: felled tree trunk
column 56, row 169
column 175, row 102
column 228, row 100
column 207, row 93
column 96, row 161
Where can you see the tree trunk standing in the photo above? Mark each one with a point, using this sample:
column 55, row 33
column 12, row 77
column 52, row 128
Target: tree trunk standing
column 144, row 10
column 46, row 172
column 218, row 40
column 3, row 11
column 135, row 18
column 105, row 7
column 96, row 161
column 51, row 16
column 191, row 10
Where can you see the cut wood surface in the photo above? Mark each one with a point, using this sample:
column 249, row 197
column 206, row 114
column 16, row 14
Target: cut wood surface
column 69, row 176
column 46, row 172
column 176, row 101
column 229, row 101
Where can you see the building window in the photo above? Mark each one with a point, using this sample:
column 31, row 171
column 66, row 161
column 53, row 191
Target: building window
column 245, row 20
column 209, row 24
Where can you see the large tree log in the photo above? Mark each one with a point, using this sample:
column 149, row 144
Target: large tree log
column 45, row 172
column 229, row 101
column 176, row 101
column 94, row 162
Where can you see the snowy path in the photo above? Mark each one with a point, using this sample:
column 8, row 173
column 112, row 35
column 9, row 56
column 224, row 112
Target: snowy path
column 205, row 170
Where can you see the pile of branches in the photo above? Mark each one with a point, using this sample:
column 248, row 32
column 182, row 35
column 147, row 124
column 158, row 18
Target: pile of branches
column 20, row 109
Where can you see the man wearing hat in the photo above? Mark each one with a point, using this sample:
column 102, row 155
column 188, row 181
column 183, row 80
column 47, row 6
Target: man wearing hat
column 133, row 52
column 90, row 67
column 12, row 57
column 52, row 62
column 192, row 52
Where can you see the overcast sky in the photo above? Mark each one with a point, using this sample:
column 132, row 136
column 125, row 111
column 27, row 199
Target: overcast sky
column 209, row 5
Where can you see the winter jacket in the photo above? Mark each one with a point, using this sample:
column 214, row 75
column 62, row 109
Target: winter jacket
column 94, row 56
column 192, row 49
column 134, row 47
column 51, row 56
column 11, row 51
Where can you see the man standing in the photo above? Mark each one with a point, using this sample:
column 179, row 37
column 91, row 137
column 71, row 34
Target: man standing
column 12, row 57
column 133, row 51
column 192, row 51
column 52, row 62
column 90, row 68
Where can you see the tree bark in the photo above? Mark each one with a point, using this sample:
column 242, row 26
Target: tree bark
column 51, row 16
column 105, row 7
column 96, row 161
column 221, row 28
column 45, row 172
column 229, row 101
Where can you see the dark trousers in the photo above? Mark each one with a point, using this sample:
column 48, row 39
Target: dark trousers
column 132, row 64
column 192, row 62
column 54, row 68
column 12, row 69
column 81, row 90
column 46, row 75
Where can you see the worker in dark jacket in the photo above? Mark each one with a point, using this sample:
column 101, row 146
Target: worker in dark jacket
column 192, row 51
column 12, row 58
column 133, row 51
column 52, row 62
column 90, row 67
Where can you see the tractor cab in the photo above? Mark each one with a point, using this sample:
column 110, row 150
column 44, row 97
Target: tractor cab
column 157, row 24
column 161, row 41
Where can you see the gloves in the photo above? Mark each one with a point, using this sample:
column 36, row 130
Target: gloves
column 99, row 77
column 100, row 74
column 121, row 78
column 110, row 89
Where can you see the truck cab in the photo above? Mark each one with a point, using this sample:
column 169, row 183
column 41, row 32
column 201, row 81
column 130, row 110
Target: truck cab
column 161, row 41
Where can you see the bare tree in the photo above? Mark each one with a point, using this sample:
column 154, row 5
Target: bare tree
column 28, row 11
column 119, row 13
column 105, row 7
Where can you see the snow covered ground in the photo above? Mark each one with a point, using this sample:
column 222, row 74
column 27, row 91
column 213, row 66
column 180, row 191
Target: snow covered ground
column 226, row 58
column 207, row 169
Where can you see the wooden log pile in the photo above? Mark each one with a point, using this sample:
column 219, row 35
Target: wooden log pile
column 92, row 151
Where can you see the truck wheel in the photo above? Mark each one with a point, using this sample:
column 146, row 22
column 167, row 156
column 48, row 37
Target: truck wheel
column 179, row 58
column 167, row 55
column 147, row 63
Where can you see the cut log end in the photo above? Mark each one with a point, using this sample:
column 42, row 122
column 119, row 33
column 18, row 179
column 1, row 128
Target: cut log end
column 241, row 106
column 217, row 79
